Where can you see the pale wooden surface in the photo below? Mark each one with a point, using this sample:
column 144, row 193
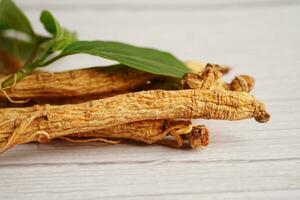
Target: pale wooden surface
column 245, row 160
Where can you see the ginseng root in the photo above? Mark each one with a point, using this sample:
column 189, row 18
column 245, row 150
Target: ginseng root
column 153, row 131
column 198, row 66
column 242, row 83
column 32, row 123
column 92, row 82
column 210, row 78
column 82, row 85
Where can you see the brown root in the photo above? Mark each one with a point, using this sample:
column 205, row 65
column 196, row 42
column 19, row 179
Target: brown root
column 207, row 79
column 18, row 137
column 242, row 83
column 199, row 66
column 149, row 132
column 91, row 83
column 82, row 85
column 3, row 90
column 210, row 79
column 199, row 136
column 97, row 139
column 59, row 121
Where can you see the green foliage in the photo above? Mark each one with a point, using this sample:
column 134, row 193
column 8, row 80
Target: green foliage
column 61, row 36
column 144, row 59
column 11, row 17
column 39, row 51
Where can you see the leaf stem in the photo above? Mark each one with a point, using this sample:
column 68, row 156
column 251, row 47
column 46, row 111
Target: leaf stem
column 28, row 69
column 54, row 59
column 18, row 75
column 32, row 55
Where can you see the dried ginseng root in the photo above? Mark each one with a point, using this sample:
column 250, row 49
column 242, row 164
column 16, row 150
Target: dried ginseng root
column 199, row 66
column 31, row 123
column 242, row 83
column 82, row 85
column 76, row 84
column 210, row 78
column 152, row 131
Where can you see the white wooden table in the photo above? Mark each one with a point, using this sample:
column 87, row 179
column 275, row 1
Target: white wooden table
column 245, row 160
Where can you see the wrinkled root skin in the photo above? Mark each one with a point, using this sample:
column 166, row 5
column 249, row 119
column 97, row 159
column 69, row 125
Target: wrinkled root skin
column 149, row 132
column 210, row 78
column 147, row 116
column 31, row 124
column 77, row 84
column 242, row 83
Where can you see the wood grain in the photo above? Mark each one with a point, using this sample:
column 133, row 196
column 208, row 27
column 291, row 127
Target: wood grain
column 245, row 160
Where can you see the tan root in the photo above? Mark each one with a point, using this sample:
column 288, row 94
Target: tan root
column 82, row 85
column 210, row 78
column 207, row 79
column 147, row 116
column 242, row 83
column 198, row 66
column 76, row 84
column 3, row 90
column 59, row 121
column 150, row 132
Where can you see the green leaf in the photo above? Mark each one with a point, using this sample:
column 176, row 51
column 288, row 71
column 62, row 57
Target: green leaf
column 62, row 36
column 11, row 17
column 50, row 23
column 145, row 59
column 17, row 37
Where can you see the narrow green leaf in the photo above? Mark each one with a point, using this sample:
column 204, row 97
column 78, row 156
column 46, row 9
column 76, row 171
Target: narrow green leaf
column 11, row 17
column 61, row 36
column 17, row 37
column 50, row 23
column 145, row 59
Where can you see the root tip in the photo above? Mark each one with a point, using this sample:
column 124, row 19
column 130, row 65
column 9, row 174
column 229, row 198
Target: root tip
column 199, row 136
column 263, row 117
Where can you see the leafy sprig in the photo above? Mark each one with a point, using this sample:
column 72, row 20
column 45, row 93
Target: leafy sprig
column 40, row 50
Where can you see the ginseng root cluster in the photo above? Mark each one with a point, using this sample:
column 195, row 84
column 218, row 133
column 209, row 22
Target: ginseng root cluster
column 116, row 105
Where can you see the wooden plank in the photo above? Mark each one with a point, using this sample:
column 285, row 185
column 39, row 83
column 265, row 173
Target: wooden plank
column 139, row 180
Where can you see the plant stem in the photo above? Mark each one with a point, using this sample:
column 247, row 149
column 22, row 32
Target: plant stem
column 18, row 75
column 26, row 70
column 54, row 59
column 32, row 55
